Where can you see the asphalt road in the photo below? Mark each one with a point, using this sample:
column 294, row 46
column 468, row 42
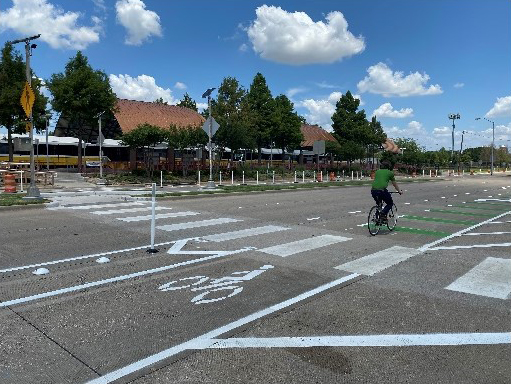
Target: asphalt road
column 274, row 287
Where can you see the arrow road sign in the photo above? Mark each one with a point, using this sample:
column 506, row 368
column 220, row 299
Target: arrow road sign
column 27, row 99
column 214, row 126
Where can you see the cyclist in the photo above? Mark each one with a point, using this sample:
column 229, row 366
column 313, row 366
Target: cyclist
column 379, row 187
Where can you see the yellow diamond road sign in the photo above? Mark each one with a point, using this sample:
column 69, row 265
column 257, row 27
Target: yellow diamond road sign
column 27, row 99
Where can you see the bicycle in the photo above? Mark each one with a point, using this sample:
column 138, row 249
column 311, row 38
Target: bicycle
column 375, row 220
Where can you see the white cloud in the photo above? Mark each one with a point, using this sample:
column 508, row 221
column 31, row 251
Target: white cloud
column 293, row 91
column 202, row 106
column 60, row 29
column 142, row 88
column 320, row 111
column 180, row 85
column 294, row 38
column 414, row 128
column 243, row 47
column 139, row 22
column 459, row 85
column 324, row 84
column 387, row 110
column 382, row 80
column 442, row 131
column 501, row 108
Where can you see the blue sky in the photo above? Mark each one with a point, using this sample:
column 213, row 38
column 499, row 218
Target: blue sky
column 412, row 63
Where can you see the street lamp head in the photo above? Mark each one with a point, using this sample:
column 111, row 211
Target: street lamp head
column 208, row 92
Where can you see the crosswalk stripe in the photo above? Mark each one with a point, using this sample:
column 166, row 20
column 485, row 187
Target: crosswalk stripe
column 244, row 233
column 377, row 262
column 490, row 278
column 196, row 224
column 288, row 249
column 128, row 210
column 159, row 216
column 96, row 206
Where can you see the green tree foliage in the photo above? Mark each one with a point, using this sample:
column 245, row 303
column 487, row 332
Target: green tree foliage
column 260, row 103
column 183, row 138
column 412, row 153
column 80, row 94
column 229, row 110
column 286, row 125
column 378, row 137
column 161, row 101
column 146, row 137
column 475, row 153
column 351, row 128
column 188, row 102
column 12, row 81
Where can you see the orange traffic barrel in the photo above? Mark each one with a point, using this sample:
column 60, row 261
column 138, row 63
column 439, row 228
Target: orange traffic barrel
column 9, row 183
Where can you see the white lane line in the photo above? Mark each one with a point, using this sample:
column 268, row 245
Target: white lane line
column 128, row 210
column 244, row 233
column 377, row 262
column 366, row 340
column 461, row 232
column 213, row 255
column 491, row 278
column 206, row 340
column 288, row 249
column 82, row 257
column 159, row 216
column 485, row 233
column 355, row 212
column 96, row 206
column 471, row 246
column 197, row 224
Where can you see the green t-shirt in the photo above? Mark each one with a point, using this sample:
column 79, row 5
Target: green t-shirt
column 382, row 178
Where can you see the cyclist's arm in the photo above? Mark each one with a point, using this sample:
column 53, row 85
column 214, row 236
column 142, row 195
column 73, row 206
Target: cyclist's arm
column 396, row 186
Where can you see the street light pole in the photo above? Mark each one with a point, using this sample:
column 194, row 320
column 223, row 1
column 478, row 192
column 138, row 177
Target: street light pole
column 33, row 192
column 100, row 139
column 492, row 141
column 211, row 183
column 453, row 116
column 46, row 118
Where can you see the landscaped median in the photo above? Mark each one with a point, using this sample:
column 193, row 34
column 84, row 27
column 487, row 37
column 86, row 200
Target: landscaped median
column 222, row 189
column 9, row 199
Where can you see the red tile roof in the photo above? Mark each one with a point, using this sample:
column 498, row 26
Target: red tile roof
column 312, row 133
column 130, row 113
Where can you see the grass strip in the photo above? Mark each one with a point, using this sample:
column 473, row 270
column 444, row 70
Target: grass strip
column 222, row 189
column 494, row 204
column 8, row 199
column 455, row 212
column 470, row 206
column 421, row 231
column 438, row 220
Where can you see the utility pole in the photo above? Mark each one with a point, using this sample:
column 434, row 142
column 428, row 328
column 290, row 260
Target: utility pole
column 453, row 116
column 211, row 183
column 33, row 192
column 461, row 151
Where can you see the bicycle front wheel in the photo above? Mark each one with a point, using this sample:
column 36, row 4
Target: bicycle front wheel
column 392, row 218
column 373, row 221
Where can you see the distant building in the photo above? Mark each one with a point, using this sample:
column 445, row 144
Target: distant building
column 127, row 115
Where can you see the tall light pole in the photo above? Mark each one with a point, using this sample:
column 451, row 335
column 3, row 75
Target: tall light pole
column 47, row 117
column 453, row 116
column 33, row 192
column 100, row 140
column 492, row 140
column 211, row 183
column 461, row 150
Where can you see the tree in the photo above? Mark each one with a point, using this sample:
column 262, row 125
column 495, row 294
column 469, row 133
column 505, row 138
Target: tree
column 161, row 101
column 80, row 94
column 351, row 128
column 378, row 137
column 145, row 136
column 12, row 81
column 228, row 109
column 286, row 125
column 261, row 105
column 412, row 154
column 188, row 102
column 183, row 138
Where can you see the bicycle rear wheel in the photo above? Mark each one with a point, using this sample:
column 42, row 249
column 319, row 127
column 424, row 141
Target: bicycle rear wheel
column 373, row 221
column 392, row 218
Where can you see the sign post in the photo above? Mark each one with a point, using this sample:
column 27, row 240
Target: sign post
column 208, row 127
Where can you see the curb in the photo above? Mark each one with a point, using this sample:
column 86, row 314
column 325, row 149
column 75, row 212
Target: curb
column 20, row 207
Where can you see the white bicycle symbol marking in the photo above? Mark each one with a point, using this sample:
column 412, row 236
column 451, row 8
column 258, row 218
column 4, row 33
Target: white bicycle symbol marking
column 215, row 285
